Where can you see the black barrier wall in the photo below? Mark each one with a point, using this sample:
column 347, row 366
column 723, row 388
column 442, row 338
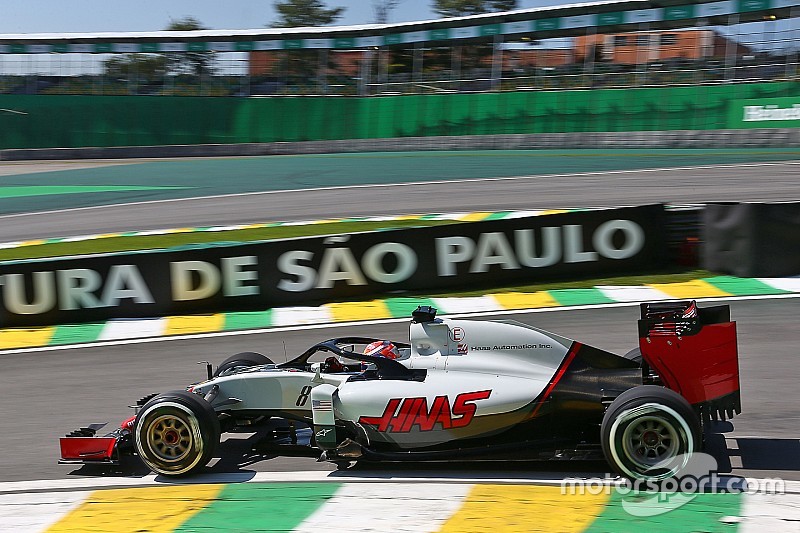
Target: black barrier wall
column 752, row 240
column 313, row 270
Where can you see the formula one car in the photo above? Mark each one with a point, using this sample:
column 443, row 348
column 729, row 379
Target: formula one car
column 460, row 389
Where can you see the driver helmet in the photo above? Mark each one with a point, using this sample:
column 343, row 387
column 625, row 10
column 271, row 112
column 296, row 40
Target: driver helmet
column 382, row 348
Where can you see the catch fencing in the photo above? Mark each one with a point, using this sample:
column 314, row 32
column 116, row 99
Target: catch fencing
column 632, row 66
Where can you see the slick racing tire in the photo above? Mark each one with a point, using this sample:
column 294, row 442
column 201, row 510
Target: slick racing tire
column 242, row 360
column 650, row 432
column 176, row 433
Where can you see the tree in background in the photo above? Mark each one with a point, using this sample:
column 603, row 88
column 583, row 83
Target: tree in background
column 469, row 57
column 461, row 8
column 192, row 63
column 141, row 68
column 150, row 69
column 299, row 13
column 304, row 64
column 383, row 8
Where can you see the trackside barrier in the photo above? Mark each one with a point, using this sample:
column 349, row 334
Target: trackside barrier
column 307, row 271
column 113, row 121
column 752, row 239
column 742, row 138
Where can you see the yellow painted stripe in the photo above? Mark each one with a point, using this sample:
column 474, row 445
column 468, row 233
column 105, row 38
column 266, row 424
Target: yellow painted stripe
column 326, row 221
column 690, row 289
column 474, row 217
column 348, row 311
column 553, row 212
column 180, row 230
column 25, row 337
column 182, row 325
column 152, row 509
column 523, row 300
column 34, row 242
column 524, row 508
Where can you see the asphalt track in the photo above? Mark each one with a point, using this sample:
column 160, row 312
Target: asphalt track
column 48, row 393
column 285, row 188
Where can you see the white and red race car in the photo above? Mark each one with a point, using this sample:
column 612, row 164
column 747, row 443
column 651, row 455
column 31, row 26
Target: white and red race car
column 459, row 389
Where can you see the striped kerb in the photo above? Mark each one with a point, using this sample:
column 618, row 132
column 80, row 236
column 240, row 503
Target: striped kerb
column 400, row 307
column 525, row 508
column 151, row 509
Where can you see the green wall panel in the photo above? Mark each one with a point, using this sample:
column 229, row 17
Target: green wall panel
column 75, row 121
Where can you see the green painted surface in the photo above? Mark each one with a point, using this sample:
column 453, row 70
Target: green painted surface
column 142, row 120
column 261, row 507
column 403, row 307
column 45, row 190
column 248, row 320
column 76, row 333
column 742, row 286
column 205, row 177
column 498, row 215
column 703, row 513
column 579, row 296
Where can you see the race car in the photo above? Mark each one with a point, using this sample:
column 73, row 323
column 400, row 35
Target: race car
column 459, row 389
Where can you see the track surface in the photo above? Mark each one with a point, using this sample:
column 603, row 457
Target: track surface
column 369, row 185
column 49, row 393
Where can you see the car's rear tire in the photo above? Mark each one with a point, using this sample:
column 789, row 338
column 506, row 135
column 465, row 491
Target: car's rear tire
column 242, row 360
column 634, row 355
column 176, row 433
column 649, row 432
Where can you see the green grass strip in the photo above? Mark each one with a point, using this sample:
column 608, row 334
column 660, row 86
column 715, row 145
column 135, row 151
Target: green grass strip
column 743, row 286
column 580, row 296
column 147, row 242
column 702, row 513
column 402, row 307
column 261, row 507
column 76, row 333
column 248, row 320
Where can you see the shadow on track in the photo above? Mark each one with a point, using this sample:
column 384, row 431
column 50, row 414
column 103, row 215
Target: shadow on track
column 246, row 451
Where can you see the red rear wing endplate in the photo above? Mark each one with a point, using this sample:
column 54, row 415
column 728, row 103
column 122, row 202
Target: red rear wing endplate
column 694, row 352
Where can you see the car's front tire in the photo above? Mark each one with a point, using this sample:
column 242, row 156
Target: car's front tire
column 649, row 432
column 176, row 433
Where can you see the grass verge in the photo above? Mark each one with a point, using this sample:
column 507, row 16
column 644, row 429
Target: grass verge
column 126, row 243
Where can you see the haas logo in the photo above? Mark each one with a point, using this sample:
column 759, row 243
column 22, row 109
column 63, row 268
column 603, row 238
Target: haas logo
column 402, row 414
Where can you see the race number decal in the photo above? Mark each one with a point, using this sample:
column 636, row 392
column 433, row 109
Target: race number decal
column 402, row 414
column 303, row 398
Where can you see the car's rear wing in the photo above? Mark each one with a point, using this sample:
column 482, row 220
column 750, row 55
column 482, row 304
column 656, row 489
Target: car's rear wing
column 694, row 352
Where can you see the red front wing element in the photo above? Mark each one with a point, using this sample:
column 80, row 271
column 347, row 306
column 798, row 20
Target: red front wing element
column 694, row 352
column 83, row 447
column 87, row 449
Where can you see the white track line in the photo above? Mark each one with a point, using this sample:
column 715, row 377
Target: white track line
column 408, row 184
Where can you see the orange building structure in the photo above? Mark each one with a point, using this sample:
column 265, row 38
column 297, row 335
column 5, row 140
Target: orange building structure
column 629, row 48
column 645, row 47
